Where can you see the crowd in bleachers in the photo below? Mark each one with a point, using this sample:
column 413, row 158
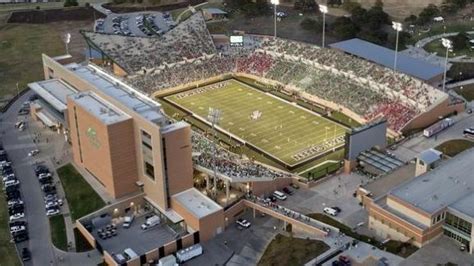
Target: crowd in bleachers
column 228, row 164
column 366, row 88
column 411, row 87
column 190, row 39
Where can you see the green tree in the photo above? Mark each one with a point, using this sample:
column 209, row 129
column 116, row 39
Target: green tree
column 306, row 5
column 349, row 5
column 376, row 18
column 344, row 28
column 359, row 15
column 374, row 36
column 411, row 19
column 334, row 2
column 69, row 3
column 427, row 14
column 378, row 3
column 460, row 41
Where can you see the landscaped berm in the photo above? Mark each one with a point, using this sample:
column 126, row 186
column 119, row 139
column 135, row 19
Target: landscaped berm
column 284, row 250
column 81, row 197
column 284, row 131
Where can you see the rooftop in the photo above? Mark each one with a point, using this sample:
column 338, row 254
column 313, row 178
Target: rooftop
column 197, row 203
column 414, row 67
column 99, row 107
column 53, row 91
column 465, row 205
column 134, row 100
column 215, row 11
column 430, row 156
column 441, row 187
column 173, row 127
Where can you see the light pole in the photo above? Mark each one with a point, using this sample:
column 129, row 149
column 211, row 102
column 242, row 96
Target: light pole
column 275, row 3
column 448, row 44
column 67, row 40
column 324, row 10
column 214, row 116
column 397, row 26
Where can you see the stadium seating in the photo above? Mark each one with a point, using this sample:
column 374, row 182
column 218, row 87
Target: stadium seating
column 187, row 54
column 229, row 164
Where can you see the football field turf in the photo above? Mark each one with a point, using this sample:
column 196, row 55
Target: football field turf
column 278, row 128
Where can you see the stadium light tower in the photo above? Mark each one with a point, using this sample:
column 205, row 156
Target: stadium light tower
column 275, row 3
column 214, row 116
column 324, row 10
column 67, row 40
column 397, row 26
column 449, row 45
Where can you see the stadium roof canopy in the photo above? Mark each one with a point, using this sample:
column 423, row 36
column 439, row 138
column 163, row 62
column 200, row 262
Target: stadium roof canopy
column 383, row 56
column 215, row 11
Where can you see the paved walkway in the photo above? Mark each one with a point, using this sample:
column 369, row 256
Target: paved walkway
column 418, row 51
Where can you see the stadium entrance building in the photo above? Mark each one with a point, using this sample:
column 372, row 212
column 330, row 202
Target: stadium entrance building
column 428, row 206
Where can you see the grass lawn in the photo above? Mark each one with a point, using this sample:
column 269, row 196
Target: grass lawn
column 438, row 28
column 21, row 46
column 7, row 249
column 436, row 47
column 81, row 197
column 455, row 146
column 58, row 232
column 289, row 133
column 285, row 250
column 395, row 247
column 467, row 92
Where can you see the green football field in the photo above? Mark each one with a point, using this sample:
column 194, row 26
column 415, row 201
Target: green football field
column 283, row 130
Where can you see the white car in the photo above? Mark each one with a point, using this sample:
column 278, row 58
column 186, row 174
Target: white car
column 52, row 212
column 281, row 14
column 16, row 229
column 330, row 211
column 12, row 182
column 244, row 223
column 17, row 216
column 33, row 153
column 51, row 204
column 15, row 202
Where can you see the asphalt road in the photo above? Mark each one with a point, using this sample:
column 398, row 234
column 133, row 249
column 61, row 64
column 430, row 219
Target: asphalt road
column 18, row 144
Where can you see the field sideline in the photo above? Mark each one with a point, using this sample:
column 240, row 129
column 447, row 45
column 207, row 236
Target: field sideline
column 285, row 131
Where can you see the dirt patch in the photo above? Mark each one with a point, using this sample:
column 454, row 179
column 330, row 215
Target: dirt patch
column 125, row 8
column 401, row 8
column 54, row 15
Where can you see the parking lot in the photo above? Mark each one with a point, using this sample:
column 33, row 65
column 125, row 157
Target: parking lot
column 141, row 241
column 237, row 245
column 139, row 24
column 52, row 148
column 334, row 192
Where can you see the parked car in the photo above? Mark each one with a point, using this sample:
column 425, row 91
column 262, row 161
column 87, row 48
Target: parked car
column 330, row 211
column 287, row 191
column 295, row 186
column 128, row 220
column 33, row 153
column 17, row 216
column 244, row 223
column 25, row 254
column 52, row 212
column 15, row 202
column 279, row 195
column 20, row 236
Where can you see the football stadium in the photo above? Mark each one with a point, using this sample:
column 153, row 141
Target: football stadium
column 284, row 131
column 284, row 103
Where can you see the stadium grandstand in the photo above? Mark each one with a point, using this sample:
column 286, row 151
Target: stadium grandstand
column 361, row 89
